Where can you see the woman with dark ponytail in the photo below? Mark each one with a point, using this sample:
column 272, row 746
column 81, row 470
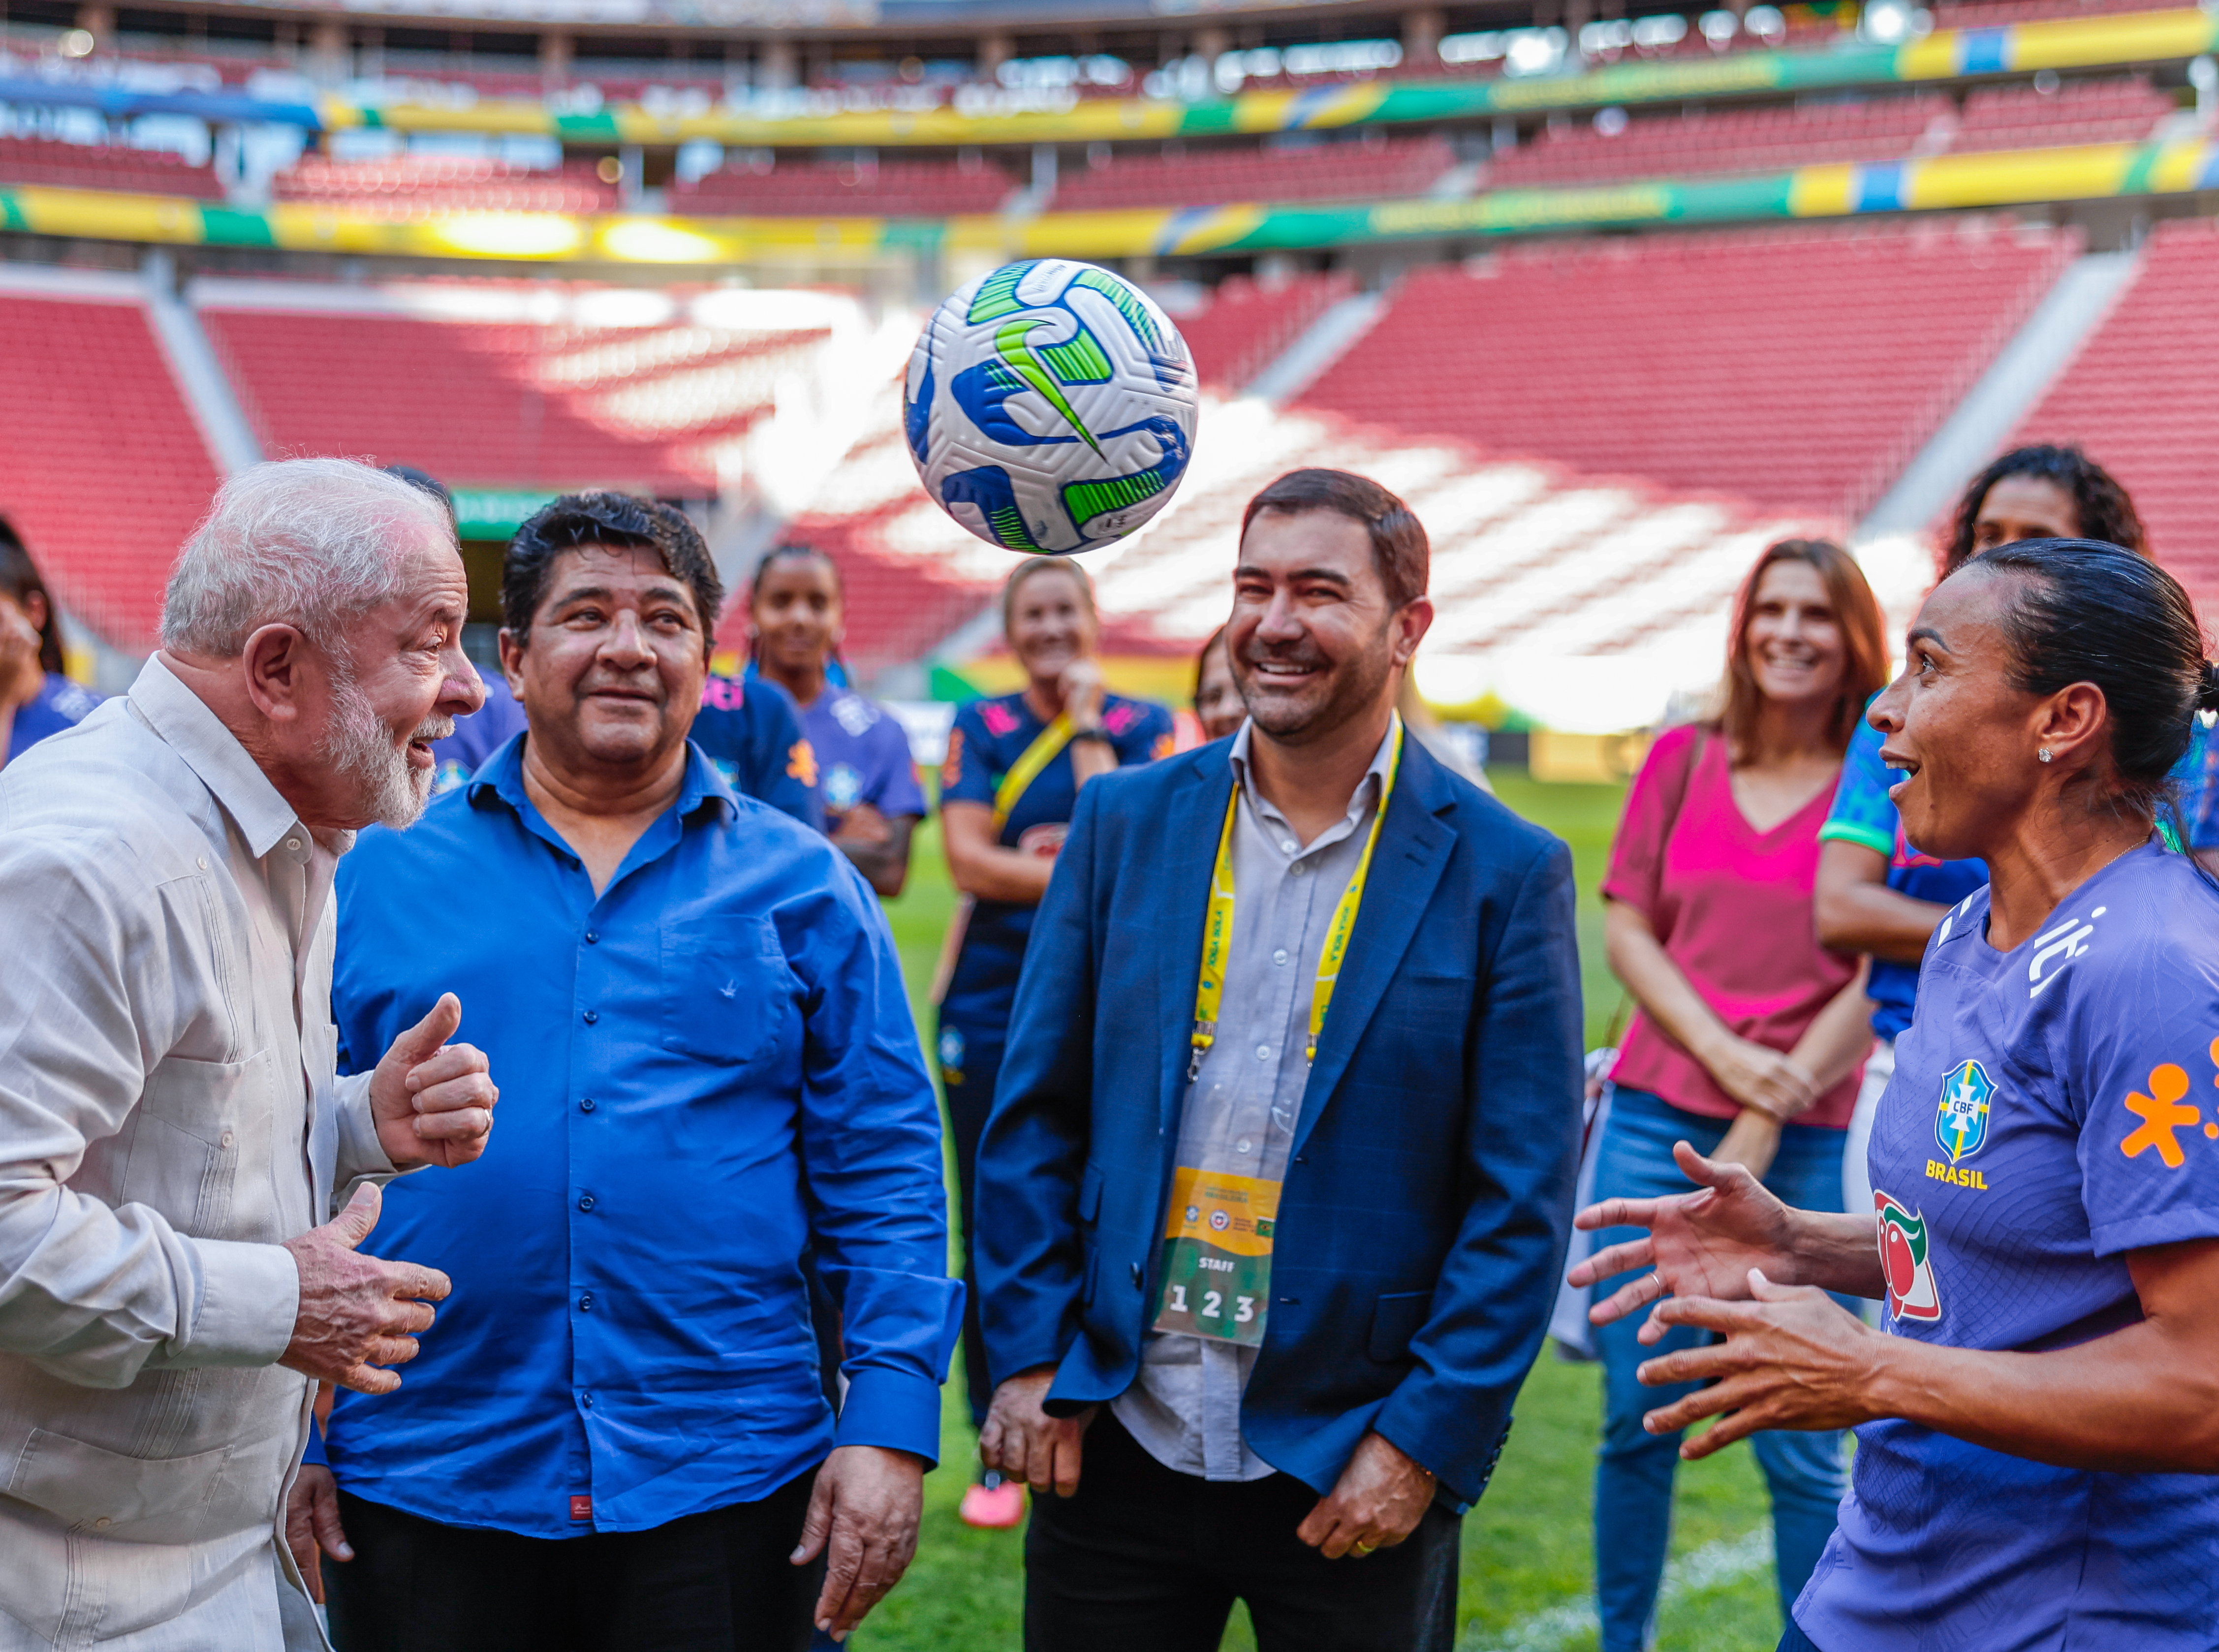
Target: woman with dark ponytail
column 2038, row 1423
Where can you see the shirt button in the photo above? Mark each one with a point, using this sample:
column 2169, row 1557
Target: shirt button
column 586, row 1303
column 227, row 1138
column 201, row 862
column 592, row 936
column 1288, row 845
column 586, row 1400
column 1263, row 1053
column 592, row 1015
column 293, row 844
column 104, row 1523
column 585, row 1105
column 585, row 1201
column 1299, row 868
column 1280, row 957
column 1244, row 1146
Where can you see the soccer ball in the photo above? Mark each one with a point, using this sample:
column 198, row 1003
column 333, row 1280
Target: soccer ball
column 1050, row 406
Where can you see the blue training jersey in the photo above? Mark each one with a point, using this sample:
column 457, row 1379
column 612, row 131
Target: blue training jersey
column 988, row 737
column 59, row 704
column 2053, row 1109
column 863, row 756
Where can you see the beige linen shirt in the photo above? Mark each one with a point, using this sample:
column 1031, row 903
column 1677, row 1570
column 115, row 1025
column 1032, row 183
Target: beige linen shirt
column 168, row 1116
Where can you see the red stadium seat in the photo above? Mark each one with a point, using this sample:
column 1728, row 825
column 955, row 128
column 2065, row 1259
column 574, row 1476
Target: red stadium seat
column 1782, row 367
column 814, row 188
column 1325, row 171
column 2143, row 398
column 102, row 471
column 1245, row 323
column 104, row 167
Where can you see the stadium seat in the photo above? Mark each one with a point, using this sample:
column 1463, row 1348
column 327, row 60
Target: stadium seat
column 104, row 166
column 422, row 185
column 2143, row 398
column 499, row 403
column 1782, row 368
column 103, row 470
column 1245, row 323
column 1324, row 171
column 810, row 188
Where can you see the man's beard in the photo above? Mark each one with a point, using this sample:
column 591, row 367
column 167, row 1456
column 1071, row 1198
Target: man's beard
column 1348, row 691
column 359, row 747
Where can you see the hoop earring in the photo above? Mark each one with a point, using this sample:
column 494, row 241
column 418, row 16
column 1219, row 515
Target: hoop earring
column 2042, row 755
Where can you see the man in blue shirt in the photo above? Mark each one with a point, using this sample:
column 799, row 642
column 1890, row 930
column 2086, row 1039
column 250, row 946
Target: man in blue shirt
column 701, row 1020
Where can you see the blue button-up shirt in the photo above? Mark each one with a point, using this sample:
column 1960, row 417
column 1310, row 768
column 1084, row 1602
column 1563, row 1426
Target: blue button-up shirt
column 705, row 1070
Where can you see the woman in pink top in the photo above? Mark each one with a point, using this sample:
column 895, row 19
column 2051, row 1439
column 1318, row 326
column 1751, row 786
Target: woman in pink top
column 1750, row 1035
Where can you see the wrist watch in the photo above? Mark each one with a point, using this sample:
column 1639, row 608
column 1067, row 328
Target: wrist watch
column 1096, row 733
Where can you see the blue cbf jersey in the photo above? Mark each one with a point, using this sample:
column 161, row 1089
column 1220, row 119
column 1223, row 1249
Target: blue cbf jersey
column 988, row 737
column 2055, row 1108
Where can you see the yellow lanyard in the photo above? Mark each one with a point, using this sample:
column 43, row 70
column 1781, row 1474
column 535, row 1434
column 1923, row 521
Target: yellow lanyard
column 1031, row 761
column 1217, row 927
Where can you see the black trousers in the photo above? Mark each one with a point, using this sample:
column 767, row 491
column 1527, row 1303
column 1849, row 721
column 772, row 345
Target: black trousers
column 1144, row 1559
column 970, row 1092
column 714, row 1582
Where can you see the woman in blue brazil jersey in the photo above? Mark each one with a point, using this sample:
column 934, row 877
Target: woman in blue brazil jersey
column 1007, row 790
column 2038, row 1438
column 35, row 699
column 1876, row 894
column 866, row 778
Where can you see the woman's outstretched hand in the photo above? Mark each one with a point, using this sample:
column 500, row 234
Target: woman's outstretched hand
column 1790, row 1357
column 1700, row 1243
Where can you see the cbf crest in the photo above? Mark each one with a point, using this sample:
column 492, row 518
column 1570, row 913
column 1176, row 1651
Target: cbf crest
column 1960, row 1118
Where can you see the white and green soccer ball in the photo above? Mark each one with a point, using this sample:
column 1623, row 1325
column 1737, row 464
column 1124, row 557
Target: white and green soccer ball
column 1050, row 406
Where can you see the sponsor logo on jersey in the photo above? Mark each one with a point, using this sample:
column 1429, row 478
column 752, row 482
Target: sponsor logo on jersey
column 843, row 788
column 2163, row 1111
column 801, row 762
column 2056, row 949
column 1904, row 1259
column 1960, row 1118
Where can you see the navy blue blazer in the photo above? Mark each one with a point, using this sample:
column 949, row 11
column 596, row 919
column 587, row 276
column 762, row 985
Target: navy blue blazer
column 1422, row 1226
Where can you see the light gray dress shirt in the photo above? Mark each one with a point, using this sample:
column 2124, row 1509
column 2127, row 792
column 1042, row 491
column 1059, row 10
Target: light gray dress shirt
column 1240, row 1113
column 168, row 1116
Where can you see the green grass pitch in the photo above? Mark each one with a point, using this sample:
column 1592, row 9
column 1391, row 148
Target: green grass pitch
column 1528, row 1571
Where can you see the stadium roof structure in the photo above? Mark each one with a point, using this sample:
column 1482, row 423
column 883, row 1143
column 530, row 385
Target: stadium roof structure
column 1998, row 179
column 2113, row 39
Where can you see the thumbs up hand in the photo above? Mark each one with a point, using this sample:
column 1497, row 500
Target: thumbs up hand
column 433, row 1101
column 357, row 1312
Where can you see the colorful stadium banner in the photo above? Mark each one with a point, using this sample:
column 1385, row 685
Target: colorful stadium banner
column 2009, row 177
column 2069, row 43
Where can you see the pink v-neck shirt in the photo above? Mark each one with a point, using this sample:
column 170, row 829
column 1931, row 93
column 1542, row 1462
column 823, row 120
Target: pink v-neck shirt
column 1732, row 907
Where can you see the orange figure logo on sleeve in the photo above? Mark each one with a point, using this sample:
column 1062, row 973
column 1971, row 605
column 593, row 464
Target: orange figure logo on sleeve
column 801, row 762
column 2161, row 1114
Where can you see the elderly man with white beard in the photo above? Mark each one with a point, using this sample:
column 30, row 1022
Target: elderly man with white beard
column 173, row 1281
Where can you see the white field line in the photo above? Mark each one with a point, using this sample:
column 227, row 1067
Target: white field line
column 1727, row 1561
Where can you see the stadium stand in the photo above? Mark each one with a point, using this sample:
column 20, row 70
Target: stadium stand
column 457, row 379
column 1780, row 366
column 1994, row 13
column 2142, row 397
column 2123, row 109
column 104, row 166
column 889, row 188
column 1727, row 141
column 103, row 470
column 420, row 185
column 1241, row 327
column 1521, row 550
column 1325, row 172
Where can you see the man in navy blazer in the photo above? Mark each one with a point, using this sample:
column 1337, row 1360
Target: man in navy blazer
column 1286, row 1383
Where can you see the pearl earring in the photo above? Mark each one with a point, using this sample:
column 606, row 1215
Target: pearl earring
column 2043, row 755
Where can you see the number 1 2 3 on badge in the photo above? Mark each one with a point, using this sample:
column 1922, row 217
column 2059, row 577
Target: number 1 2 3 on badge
column 1217, row 1268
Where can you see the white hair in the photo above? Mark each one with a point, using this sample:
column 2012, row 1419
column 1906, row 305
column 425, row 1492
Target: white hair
column 311, row 542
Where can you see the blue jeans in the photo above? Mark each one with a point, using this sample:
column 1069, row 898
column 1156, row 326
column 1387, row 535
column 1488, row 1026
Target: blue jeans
column 1634, row 1470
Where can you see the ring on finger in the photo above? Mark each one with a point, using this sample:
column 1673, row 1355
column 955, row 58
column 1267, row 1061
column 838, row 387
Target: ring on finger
column 1360, row 1549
